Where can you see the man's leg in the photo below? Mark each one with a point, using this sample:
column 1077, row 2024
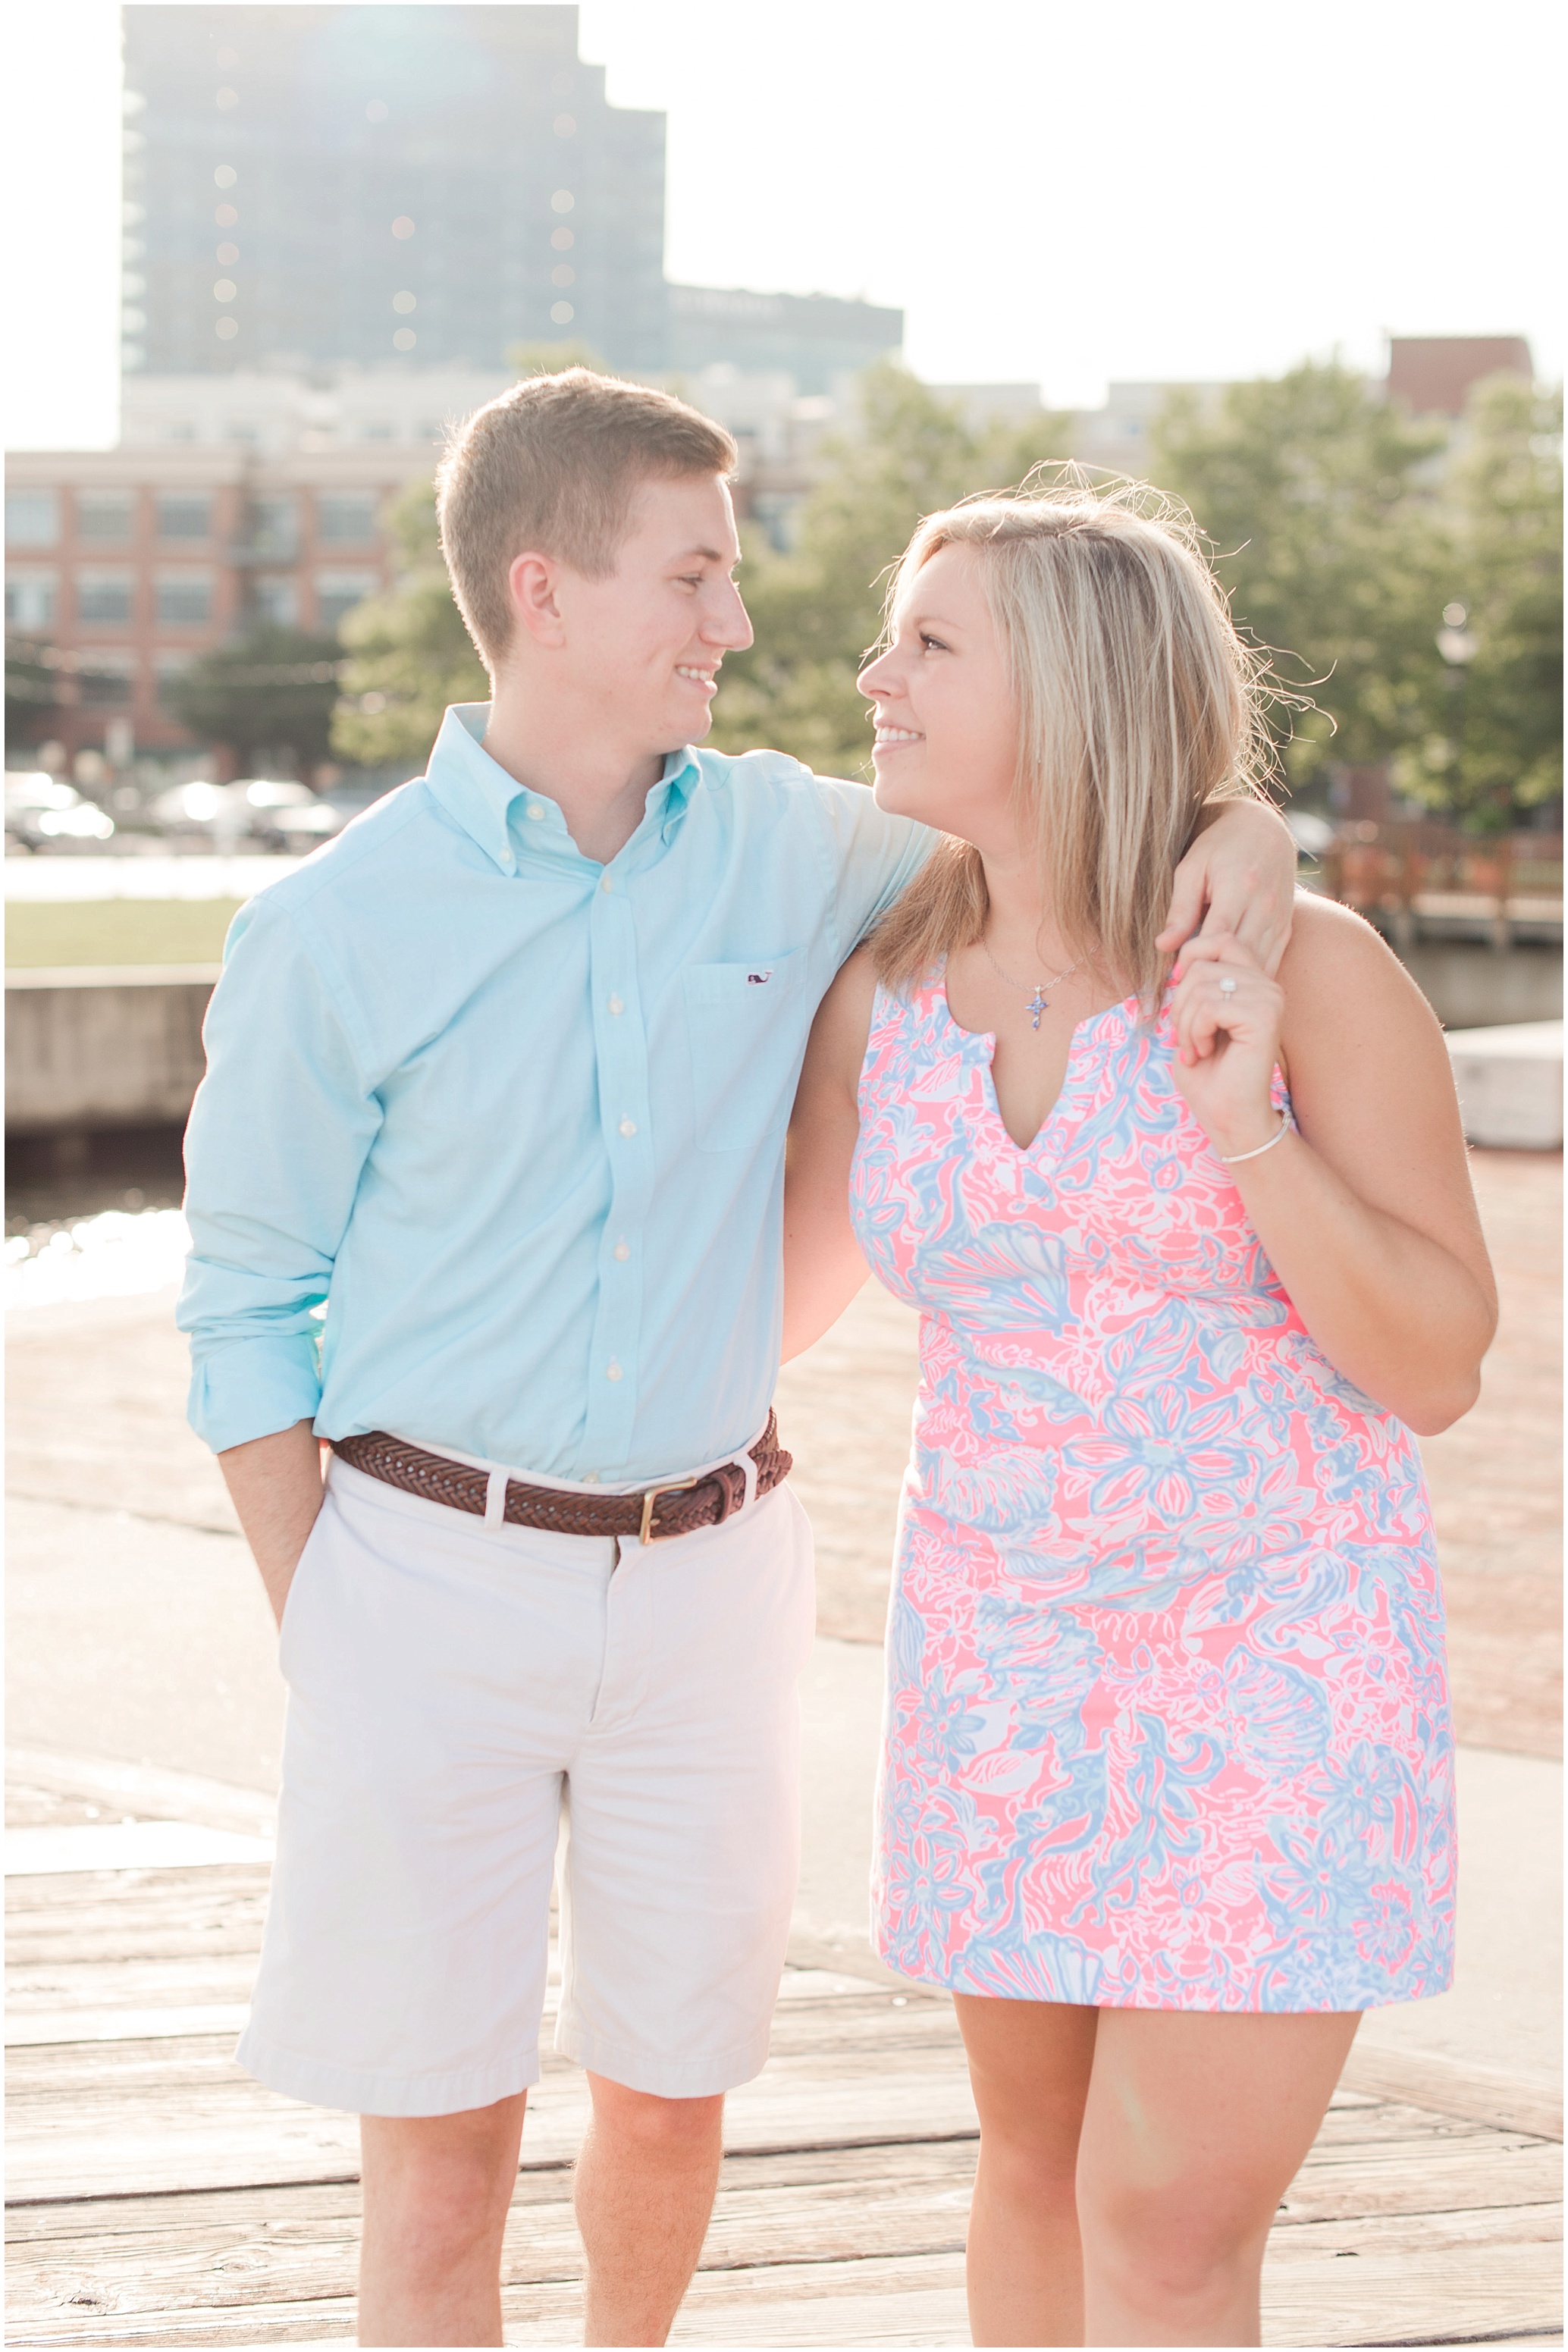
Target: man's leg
column 436, row 2188
column 646, row 2181
column 676, row 1886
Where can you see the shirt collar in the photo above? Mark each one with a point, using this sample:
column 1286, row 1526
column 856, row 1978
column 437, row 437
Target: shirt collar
column 479, row 795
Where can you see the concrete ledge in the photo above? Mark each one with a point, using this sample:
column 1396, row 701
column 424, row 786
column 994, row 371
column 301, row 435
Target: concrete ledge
column 1509, row 1083
column 103, row 1045
column 1467, row 984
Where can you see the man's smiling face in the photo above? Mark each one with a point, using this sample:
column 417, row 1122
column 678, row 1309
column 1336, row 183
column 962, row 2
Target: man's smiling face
column 645, row 644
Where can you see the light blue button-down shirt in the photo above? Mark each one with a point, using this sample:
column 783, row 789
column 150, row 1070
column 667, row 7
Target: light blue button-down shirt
column 515, row 1120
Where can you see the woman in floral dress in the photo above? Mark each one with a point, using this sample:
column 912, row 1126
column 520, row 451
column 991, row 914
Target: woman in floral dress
column 1167, row 1797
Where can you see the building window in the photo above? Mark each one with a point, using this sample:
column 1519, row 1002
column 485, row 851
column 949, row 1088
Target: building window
column 104, row 515
column 275, row 526
column 106, row 682
column 31, row 599
column 338, row 593
column 346, row 518
column 32, row 518
column 184, row 598
column 184, row 516
column 103, row 596
column 277, row 600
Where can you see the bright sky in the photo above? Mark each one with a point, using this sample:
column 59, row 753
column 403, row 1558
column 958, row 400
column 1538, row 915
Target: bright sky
column 1052, row 192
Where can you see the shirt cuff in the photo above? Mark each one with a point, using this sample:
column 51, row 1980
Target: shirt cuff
column 252, row 1388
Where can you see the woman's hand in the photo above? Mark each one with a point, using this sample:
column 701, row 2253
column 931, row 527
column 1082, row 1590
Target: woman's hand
column 1365, row 1213
column 1228, row 1016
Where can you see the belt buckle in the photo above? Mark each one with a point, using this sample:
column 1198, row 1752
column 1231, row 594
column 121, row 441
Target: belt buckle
column 680, row 1486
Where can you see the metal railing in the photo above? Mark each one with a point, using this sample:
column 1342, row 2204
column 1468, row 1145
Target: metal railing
column 1423, row 880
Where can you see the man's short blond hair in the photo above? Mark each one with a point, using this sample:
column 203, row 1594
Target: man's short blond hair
column 552, row 468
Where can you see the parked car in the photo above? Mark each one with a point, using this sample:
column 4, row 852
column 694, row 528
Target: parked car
column 41, row 813
column 285, row 815
column 259, row 812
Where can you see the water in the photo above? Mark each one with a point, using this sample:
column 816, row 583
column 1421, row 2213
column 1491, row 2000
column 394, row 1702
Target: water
column 120, row 1254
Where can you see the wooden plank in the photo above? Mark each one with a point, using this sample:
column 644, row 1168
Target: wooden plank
column 147, row 1791
column 1423, row 2175
column 135, row 1915
column 301, row 2246
column 1465, row 2278
column 179, row 2114
column 296, row 2247
column 173, row 1981
column 1510, row 2102
column 199, row 2121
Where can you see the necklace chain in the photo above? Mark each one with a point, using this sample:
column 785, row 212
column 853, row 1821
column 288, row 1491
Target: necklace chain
column 1038, row 1003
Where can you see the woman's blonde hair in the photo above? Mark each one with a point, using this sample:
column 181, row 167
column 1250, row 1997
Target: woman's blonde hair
column 1138, row 702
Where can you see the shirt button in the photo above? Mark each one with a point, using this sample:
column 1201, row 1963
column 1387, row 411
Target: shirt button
column 535, row 812
column 612, row 1372
column 629, row 1127
column 607, row 884
column 616, row 1004
column 590, row 1477
column 621, row 1251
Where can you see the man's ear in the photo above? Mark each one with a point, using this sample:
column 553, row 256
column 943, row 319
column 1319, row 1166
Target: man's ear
column 531, row 584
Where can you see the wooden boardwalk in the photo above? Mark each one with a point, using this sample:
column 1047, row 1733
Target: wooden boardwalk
column 159, row 2197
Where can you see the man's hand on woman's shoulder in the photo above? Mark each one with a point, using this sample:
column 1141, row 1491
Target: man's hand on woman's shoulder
column 1238, row 878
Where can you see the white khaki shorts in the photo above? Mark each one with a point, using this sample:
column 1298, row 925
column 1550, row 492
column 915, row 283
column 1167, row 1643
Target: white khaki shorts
column 454, row 1688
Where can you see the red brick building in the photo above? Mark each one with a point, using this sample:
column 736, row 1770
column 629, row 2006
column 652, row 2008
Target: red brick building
column 1433, row 374
column 124, row 565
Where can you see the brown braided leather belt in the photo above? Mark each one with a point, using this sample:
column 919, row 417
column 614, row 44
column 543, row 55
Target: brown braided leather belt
column 657, row 1512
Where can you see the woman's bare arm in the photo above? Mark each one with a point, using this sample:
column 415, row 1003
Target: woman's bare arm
column 822, row 1264
column 1367, row 1212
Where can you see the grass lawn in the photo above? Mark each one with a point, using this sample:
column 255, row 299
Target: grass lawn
column 117, row 930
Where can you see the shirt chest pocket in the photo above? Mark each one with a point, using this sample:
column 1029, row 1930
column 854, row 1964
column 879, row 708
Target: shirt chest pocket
column 743, row 1023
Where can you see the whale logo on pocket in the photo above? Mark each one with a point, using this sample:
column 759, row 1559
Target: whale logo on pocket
column 759, row 978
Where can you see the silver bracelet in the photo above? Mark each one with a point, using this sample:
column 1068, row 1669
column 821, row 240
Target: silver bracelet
column 1230, row 1158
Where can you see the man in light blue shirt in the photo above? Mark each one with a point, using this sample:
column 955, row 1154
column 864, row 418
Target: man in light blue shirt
column 552, row 1240
column 501, row 1078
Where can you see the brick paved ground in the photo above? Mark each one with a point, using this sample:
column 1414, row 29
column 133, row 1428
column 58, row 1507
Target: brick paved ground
column 845, row 1411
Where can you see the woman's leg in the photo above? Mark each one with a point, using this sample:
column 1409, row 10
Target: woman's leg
column 1194, row 2128
column 1029, row 2061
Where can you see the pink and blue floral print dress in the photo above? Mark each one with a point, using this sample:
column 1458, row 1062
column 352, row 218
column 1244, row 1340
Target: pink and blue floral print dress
column 1167, row 1717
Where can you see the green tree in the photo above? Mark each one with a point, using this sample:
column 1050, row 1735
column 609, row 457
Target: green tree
column 271, row 690
column 1493, row 744
column 1317, row 498
column 817, row 609
column 408, row 652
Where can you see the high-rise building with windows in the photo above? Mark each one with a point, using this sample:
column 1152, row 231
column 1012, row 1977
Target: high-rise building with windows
column 313, row 185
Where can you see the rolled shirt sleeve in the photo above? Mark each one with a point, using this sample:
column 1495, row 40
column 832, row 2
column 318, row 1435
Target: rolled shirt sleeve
column 278, row 1138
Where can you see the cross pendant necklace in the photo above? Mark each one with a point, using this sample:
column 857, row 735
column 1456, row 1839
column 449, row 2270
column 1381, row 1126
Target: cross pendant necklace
column 1039, row 1002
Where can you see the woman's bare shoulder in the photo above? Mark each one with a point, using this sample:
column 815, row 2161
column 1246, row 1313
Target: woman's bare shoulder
column 1351, row 1007
column 1335, row 956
